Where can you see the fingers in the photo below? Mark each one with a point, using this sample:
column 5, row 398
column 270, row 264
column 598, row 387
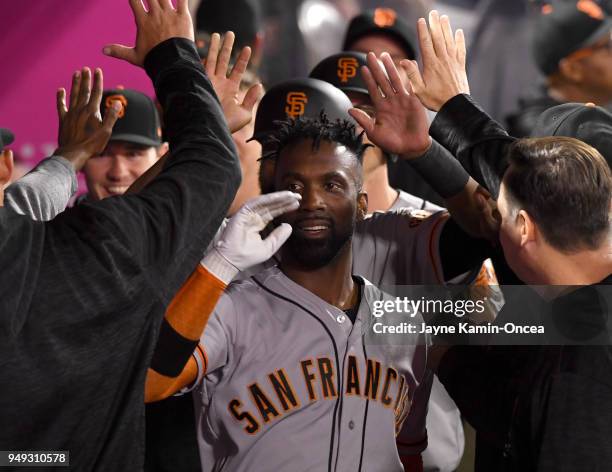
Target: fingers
column 425, row 42
column 272, row 205
column 111, row 116
column 226, row 54
column 372, row 87
column 379, row 75
column 213, row 53
column 85, row 90
column 449, row 38
column 277, row 238
column 60, row 99
column 392, row 73
column 241, row 65
column 118, row 51
column 138, row 9
column 413, row 73
column 96, row 90
column 363, row 119
column 74, row 89
column 182, row 7
column 252, row 96
column 461, row 49
column 437, row 36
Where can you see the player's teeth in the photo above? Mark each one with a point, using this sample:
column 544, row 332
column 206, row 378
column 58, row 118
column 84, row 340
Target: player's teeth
column 315, row 228
column 117, row 189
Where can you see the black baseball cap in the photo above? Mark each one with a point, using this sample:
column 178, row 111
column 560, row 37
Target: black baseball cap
column 243, row 17
column 590, row 124
column 342, row 71
column 6, row 137
column 564, row 28
column 381, row 20
column 138, row 121
column 299, row 98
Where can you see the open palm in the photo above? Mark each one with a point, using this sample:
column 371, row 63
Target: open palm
column 227, row 86
column 400, row 123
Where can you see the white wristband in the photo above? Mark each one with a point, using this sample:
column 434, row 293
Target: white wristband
column 219, row 266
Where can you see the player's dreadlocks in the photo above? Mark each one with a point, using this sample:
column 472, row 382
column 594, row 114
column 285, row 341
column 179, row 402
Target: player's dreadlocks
column 320, row 129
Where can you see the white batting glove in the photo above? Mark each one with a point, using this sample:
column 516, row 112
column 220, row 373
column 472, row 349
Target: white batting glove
column 240, row 245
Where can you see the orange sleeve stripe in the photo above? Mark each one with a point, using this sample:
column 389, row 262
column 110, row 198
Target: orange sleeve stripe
column 191, row 307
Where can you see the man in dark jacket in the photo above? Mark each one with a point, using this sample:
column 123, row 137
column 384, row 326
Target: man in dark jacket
column 84, row 295
column 539, row 407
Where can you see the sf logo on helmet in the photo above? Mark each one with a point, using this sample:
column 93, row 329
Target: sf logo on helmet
column 108, row 103
column 296, row 104
column 347, row 68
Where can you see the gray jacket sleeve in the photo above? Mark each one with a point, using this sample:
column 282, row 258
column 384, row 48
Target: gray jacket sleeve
column 44, row 192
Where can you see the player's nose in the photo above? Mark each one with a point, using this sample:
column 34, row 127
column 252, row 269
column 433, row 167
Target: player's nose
column 312, row 199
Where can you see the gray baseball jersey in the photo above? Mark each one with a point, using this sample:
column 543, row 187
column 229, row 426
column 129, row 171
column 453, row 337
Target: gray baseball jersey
column 401, row 248
column 291, row 384
column 407, row 200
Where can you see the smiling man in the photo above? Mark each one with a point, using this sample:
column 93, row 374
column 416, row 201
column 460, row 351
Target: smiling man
column 284, row 360
column 134, row 146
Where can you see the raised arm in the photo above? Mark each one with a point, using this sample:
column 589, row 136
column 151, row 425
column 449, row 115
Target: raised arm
column 177, row 361
column 461, row 126
column 165, row 228
column 400, row 127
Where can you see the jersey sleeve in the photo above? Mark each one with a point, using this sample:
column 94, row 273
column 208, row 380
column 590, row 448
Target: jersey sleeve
column 400, row 247
column 218, row 339
column 45, row 191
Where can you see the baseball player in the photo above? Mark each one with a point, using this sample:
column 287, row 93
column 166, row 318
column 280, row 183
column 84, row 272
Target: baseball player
column 286, row 378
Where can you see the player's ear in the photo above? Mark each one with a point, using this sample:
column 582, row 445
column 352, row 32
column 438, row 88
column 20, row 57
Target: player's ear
column 571, row 69
column 362, row 206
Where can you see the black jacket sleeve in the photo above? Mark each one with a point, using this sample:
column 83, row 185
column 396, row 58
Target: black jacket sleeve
column 475, row 139
column 166, row 227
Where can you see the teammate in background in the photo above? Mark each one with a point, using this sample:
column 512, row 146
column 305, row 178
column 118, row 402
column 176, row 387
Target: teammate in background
column 344, row 399
column 243, row 17
column 577, row 66
column 342, row 71
column 383, row 30
column 134, row 147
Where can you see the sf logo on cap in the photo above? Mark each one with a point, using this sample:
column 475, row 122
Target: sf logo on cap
column 590, row 8
column 296, row 104
column 108, row 103
column 347, row 68
column 384, row 17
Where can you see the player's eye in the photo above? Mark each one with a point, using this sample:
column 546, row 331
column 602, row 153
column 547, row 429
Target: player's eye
column 334, row 187
column 294, row 187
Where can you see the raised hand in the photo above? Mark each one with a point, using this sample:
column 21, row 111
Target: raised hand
column 82, row 132
column 240, row 244
column 227, row 86
column 160, row 23
column 399, row 125
column 444, row 75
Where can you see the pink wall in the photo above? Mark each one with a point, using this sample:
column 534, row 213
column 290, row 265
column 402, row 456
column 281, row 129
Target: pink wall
column 42, row 43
